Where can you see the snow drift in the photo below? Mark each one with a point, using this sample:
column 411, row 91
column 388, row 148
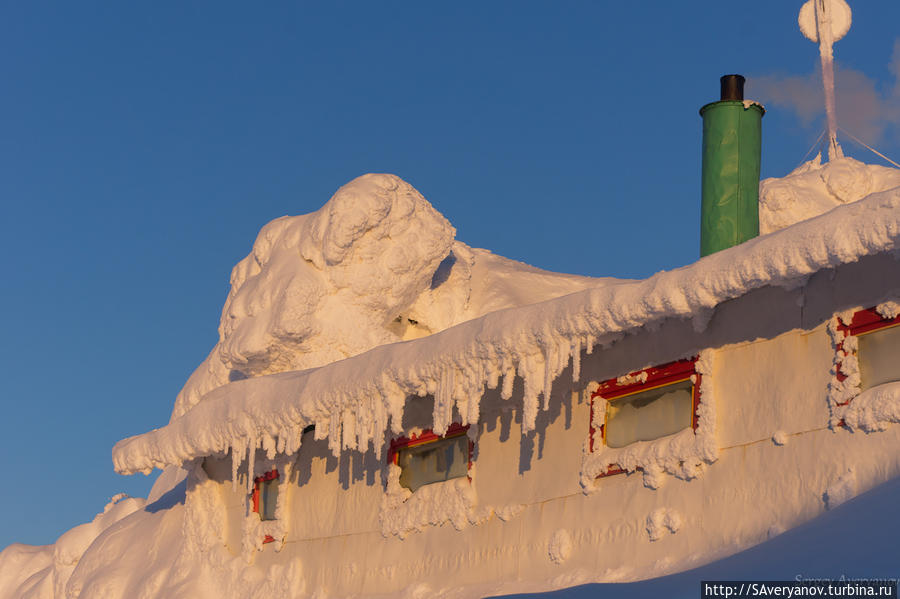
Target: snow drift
column 375, row 265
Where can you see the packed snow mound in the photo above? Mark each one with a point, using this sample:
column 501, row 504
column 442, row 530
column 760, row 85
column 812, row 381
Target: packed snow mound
column 44, row 571
column 375, row 265
column 814, row 188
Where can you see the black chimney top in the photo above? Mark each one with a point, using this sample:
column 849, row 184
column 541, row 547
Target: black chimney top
column 732, row 87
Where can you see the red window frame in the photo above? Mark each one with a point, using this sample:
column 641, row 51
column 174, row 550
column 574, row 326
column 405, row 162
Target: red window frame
column 657, row 376
column 428, row 436
column 270, row 475
column 863, row 321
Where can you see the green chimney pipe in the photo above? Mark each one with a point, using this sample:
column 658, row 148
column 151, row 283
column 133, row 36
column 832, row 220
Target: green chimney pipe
column 732, row 134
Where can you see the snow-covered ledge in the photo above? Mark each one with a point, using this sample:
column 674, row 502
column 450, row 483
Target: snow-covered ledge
column 683, row 454
column 874, row 409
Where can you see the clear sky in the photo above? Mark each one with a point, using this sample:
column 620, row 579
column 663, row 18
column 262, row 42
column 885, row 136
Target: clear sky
column 144, row 145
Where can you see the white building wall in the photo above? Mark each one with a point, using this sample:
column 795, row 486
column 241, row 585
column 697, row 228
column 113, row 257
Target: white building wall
column 773, row 357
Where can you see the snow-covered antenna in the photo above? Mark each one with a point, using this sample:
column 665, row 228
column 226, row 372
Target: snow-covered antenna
column 825, row 22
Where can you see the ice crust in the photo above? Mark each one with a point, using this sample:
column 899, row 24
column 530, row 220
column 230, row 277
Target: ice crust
column 354, row 401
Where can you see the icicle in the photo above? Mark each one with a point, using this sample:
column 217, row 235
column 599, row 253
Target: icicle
column 268, row 443
column 576, row 360
column 395, row 412
column 281, row 445
column 296, row 442
column 492, row 378
column 236, row 456
column 334, row 438
column 323, row 427
column 251, row 462
column 530, row 396
column 348, row 429
column 380, row 419
column 462, row 406
column 509, row 378
column 589, row 344
column 474, row 405
column 443, row 404
column 548, row 377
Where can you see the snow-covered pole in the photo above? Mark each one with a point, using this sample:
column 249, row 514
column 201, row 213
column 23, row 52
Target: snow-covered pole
column 826, row 54
column 825, row 22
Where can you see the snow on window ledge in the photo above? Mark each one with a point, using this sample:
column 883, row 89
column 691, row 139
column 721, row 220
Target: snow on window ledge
column 454, row 501
column 849, row 406
column 683, row 454
column 874, row 409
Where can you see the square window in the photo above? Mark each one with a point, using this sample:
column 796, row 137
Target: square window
column 265, row 495
column 646, row 405
column 428, row 458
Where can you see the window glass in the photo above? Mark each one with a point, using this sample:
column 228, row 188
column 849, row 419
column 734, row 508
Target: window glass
column 879, row 357
column 649, row 414
column 433, row 462
column 268, row 499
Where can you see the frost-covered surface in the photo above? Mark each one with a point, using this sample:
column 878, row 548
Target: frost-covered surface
column 662, row 521
column 353, row 402
column 845, row 377
column 815, row 188
column 560, row 546
column 683, row 454
column 865, row 528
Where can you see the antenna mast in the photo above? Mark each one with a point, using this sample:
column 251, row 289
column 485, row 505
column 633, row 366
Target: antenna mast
column 825, row 22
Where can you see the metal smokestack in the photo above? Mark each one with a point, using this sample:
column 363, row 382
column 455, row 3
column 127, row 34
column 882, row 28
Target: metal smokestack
column 731, row 87
column 732, row 135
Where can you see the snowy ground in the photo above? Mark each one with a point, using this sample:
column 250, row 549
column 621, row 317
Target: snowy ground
column 857, row 540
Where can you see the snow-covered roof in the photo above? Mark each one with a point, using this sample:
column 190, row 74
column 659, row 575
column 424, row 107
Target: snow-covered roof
column 353, row 401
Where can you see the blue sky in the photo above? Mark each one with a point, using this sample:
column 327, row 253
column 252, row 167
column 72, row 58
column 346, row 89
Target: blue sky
column 144, row 146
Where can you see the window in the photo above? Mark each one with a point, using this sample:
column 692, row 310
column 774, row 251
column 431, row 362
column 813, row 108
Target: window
column 645, row 405
column 265, row 495
column 877, row 347
column 429, row 458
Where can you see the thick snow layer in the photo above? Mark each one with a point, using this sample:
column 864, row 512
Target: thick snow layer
column 354, row 401
column 815, row 188
column 37, row 572
column 874, row 409
column 375, row 265
column 487, row 342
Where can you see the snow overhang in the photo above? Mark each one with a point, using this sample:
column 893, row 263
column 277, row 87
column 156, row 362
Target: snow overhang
column 353, row 401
